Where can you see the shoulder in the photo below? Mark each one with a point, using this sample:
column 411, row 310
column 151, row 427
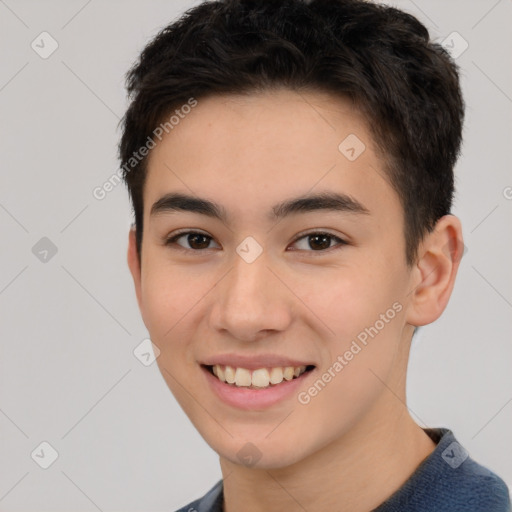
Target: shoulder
column 478, row 488
column 449, row 480
column 461, row 483
column 210, row 502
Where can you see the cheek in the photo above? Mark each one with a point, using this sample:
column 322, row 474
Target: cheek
column 169, row 300
column 365, row 321
column 161, row 308
column 348, row 301
column 353, row 379
column 167, row 295
column 166, row 302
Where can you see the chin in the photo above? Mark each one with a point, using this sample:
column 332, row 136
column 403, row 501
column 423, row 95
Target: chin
column 258, row 452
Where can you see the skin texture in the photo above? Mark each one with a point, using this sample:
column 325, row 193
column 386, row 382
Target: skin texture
column 355, row 442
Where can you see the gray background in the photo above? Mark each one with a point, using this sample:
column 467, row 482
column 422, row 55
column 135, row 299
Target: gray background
column 69, row 325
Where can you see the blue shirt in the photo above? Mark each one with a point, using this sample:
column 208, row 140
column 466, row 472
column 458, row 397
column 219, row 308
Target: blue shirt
column 448, row 480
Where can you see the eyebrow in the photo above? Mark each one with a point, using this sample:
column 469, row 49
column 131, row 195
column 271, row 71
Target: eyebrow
column 326, row 201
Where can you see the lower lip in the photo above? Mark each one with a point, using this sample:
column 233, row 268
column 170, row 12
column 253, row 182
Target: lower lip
column 251, row 399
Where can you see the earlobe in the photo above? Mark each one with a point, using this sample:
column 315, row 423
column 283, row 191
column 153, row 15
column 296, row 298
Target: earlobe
column 134, row 264
column 439, row 259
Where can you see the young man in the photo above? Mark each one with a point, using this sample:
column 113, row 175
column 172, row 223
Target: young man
column 290, row 166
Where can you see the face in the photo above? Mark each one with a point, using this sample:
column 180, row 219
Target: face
column 249, row 273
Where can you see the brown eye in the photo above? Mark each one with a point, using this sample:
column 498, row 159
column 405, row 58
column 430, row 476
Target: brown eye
column 196, row 241
column 318, row 241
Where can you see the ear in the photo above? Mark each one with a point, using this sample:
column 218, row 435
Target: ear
column 134, row 264
column 434, row 274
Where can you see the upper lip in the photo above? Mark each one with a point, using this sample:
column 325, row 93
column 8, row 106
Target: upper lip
column 253, row 362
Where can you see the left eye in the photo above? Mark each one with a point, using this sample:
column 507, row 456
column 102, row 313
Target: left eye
column 318, row 241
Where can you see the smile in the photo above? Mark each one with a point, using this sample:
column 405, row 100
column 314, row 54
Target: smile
column 258, row 378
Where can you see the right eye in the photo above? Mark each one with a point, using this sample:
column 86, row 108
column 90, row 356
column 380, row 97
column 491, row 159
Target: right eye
column 197, row 241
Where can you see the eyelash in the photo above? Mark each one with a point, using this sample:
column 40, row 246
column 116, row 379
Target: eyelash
column 171, row 241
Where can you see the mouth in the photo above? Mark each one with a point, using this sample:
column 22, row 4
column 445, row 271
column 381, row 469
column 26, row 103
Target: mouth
column 260, row 378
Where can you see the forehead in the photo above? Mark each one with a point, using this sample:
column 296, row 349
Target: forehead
column 249, row 153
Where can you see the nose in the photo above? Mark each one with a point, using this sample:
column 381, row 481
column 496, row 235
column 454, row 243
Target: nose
column 251, row 301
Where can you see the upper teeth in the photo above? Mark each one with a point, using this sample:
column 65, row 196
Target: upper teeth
column 260, row 378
